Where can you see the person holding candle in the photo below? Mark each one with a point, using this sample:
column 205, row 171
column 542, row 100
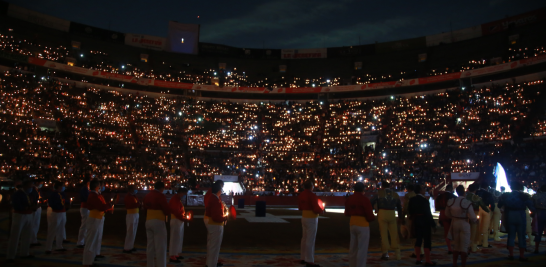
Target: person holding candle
column 207, row 198
column 84, row 212
column 177, row 225
column 157, row 209
column 360, row 209
column 477, row 203
column 423, row 222
column 97, row 206
column 37, row 215
column 132, row 205
column 387, row 202
column 482, row 237
column 308, row 204
column 460, row 211
column 215, row 228
column 514, row 204
column 21, row 222
column 56, row 226
column 441, row 204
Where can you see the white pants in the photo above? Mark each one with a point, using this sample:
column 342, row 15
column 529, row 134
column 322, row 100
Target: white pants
column 36, row 218
column 358, row 251
column 99, row 243
column 156, row 249
column 131, row 220
column 177, row 237
column 55, row 230
column 49, row 211
column 309, row 226
column 92, row 239
column 214, row 242
column 20, row 228
column 460, row 231
column 84, row 212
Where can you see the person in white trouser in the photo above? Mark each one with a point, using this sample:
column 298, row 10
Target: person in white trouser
column 157, row 209
column 84, row 213
column 308, row 204
column 37, row 215
column 215, row 212
column 177, row 225
column 460, row 210
column 21, row 223
column 55, row 229
column 132, row 205
column 360, row 209
column 97, row 207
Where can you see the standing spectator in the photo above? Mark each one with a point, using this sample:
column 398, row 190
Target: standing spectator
column 445, row 221
column 514, row 204
column 177, row 225
column 36, row 198
column 460, row 211
column 422, row 221
column 539, row 200
column 308, row 204
column 359, row 208
column 84, row 212
column 97, row 207
column 215, row 212
column 387, row 201
column 485, row 216
column 495, row 217
column 56, row 227
column 132, row 205
column 477, row 204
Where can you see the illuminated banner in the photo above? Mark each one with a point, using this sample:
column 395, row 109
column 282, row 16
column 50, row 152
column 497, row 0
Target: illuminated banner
column 227, row 178
column 465, row 176
column 146, row 41
column 303, row 53
column 183, row 38
column 515, row 21
column 38, row 18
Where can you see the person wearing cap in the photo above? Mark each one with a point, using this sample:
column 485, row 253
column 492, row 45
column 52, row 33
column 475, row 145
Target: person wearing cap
column 423, row 222
column 477, row 203
column 56, row 226
column 460, row 211
column 157, row 209
column 514, row 204
column 482, row 236
column 215, row 228
column 177, row 225
column 21, row 222
column 387, row 202
column 84, row 213
column 36, row 199
column 132, row 205
column 308, row 204
column 97, row 206
column 445, row 221
column 360, row 209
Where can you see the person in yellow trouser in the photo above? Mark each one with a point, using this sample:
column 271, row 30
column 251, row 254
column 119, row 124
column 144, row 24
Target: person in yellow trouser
column 477, row 204
column 482, row 236
column 387, row 201
column 529, row 229
column 495, row 218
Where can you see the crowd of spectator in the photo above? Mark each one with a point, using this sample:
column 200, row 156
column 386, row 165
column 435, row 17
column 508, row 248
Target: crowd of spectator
column 54, row 131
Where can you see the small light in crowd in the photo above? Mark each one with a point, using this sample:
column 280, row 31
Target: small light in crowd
column 123, row 66
column 392, row 97
column 81, row 55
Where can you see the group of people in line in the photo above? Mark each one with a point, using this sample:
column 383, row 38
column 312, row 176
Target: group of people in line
column 469, row 219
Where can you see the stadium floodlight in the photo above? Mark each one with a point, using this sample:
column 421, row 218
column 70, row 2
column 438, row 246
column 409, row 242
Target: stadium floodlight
column 501, row 178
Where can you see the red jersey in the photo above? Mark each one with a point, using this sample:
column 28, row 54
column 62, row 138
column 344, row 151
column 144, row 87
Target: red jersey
column 215, row 209
column 155, row 200
column 177, row 208
column 207, row 197
column 131, row 202
column 308, row 201
column 359, row 205
column 96, row 201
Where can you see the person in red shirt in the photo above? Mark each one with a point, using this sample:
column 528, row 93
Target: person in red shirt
column 207, row 198
column 215, row 228
column 440, row 203
column 359, row 208
column 157, row 209
column 132, row 205
column 177, row 225
column 97, row 207
column 308, row 204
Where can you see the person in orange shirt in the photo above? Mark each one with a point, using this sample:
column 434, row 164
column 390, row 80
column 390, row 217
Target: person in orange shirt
column 177, row 225
column 360, row 209
column 207, row 198
column 157, row 209
column 215, row 228
column 308, row 204
column 97, row 207
column 132, row 205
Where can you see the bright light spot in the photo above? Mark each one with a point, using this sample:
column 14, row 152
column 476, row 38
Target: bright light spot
column 328, row 81
column 250, row 137
column 392, row 97
column 81, row 55
column 167, row 118
column 358, row 129
column 123, row 66
column 179, row 113
column 467, row 161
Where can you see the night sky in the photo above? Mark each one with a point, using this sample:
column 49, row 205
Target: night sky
column 286, row 23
